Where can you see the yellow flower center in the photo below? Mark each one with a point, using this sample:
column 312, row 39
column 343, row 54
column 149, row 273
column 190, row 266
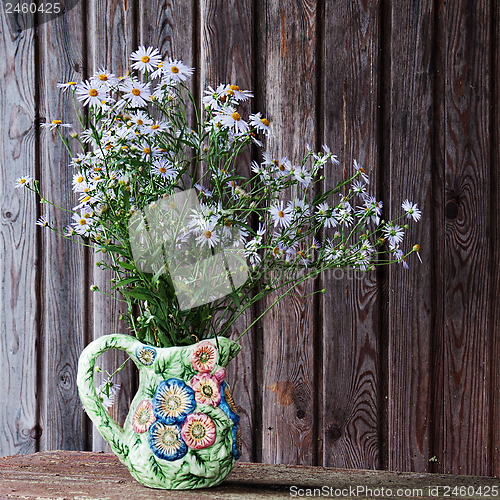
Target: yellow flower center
column 56, row 122
column 83, row 222
column 236, row 116
column 80, row 179
column 103, row 77
column 71, row 83
column 265, row 121
column 145, row 59
column 416, row 247
column 282, row 167
column 155, row 126
column 281, row 213
column 139, row 121
column 22, row 181
column 174, row 69
column 230, row 92
column 234, row 87
column 147, row 151
column 163, row 170
column 207, row 234
column 93, row 93
column 136, row 92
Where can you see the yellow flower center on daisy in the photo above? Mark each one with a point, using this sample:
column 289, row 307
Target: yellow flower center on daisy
column 155, row 126
column 174, row 69
column 80, row 179
column 136, row 92
column 103, row 77
column 163, row 170
column 139, row 121
column 281, row 213
column 265, row 121
column 87, row 198
column 276, row 251
column 56, row 122
column 230, row 92
column 22, row 181
column 145, row 59
column 282, row 167
column 207, row 234
column 71, row 83
column 416, row 247
column 83, row 222
column 236, row 116
column 93, row 93
column 147, row 151
column 234, row 87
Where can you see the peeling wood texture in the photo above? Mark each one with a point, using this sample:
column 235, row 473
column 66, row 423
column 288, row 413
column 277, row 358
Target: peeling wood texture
column 58, row 474
column 397, row 369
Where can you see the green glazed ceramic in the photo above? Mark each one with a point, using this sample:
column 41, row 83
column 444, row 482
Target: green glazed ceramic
column 182, row 430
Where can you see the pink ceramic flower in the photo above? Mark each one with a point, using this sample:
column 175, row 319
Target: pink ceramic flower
column 220, row 375
column 204, row 357
column 143, row 417
column 198, row 431
column 206, row 389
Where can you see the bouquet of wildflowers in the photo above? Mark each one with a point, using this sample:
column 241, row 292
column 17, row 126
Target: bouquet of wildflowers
column 192, row 241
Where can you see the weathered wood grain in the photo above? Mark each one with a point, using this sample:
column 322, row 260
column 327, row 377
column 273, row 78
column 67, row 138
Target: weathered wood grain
column 467, row 284
column 226, row 57
column 351, row 363
column 64, row 285
column 116, row 23
column 19, row 266
column 288, row 363
column 410, row 307
column 495, row 238
column 101, row 476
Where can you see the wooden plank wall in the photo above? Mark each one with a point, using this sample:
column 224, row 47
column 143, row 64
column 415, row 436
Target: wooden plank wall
column 396, row 369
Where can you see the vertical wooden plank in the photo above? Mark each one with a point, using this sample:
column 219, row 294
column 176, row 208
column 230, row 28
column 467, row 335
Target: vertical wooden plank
column 410, row 290
column 112, row 33
column 467, row 356
column 64, row 285
column 495, row 237
column 226, row 57
column 18, row 244
column 288, row 362
column 351, row 371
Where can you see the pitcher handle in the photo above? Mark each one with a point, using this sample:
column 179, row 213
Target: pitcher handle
column 109, row 429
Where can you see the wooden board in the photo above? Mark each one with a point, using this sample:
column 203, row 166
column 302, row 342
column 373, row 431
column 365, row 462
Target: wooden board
column 466, row 440
column 409, row 147
column 51, row 475
column 19, row 240
column 226, row 57
column 352, row 344
column 289, row 376
column 64, row 285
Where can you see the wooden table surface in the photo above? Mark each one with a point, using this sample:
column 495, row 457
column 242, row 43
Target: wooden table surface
column 83, row 475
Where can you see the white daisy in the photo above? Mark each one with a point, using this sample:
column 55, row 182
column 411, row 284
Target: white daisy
column 139, row 119
column 176, row 71
column 23, row 181
column 394, row 234
column 214, row 99
column 147, row 59
column 138, row 93
column 260, row 123
column 411, row 210
column 82, row 222
column 360, row 171
column 66, row 86
column 209, row 236
column 232, row 119
column 398, row 253
column 303, row 175
column 327, row 215
column 42, row 221
column 204, row 192
column 281, row 216
column 91, row 94
column 54, row 124
column 79, row 183
column 105, row 78
column 237, row 94
column 164, row 169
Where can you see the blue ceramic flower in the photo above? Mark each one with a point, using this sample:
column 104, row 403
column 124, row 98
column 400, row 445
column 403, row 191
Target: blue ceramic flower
column 173, row 401
column 146, row 355
column 227, row 403
column 236, row 433
column 166, row 441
